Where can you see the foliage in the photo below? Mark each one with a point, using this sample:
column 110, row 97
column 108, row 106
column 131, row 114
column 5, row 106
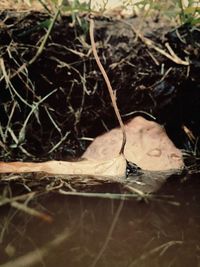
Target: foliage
column 191, row 13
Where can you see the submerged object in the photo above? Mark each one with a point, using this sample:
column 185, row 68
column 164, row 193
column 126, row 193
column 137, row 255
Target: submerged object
column 148, row 146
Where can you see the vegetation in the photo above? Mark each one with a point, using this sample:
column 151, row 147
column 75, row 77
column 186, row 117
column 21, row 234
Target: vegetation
column 181, row 11
column 52, row 91
column 34, row 54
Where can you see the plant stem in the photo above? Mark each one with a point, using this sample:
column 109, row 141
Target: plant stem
column 110, row 90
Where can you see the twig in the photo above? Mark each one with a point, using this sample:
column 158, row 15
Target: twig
column 100, row 195
column 35, row 256
column 135, row 190
column 41, row 47
column 34, row 107
column 9, row 83
column 110, row 90
column 112, row 227
column 14, row 137
column 162, row 248
column 31, row 211
column 9, row 120
column 6, row 200
column 171, row 55
column 62, row 64
column 52, row 120
column 45, row 6
column 46, row 37
column 59, row 143
column 136, row 112
column 23, row 206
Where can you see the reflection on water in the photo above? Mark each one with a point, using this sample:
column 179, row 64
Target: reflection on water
column 164, row 231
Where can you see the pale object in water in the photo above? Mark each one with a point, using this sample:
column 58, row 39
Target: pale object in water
column 148, row 146
column 115, row 167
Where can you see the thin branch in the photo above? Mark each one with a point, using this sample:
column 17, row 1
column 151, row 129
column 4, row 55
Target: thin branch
column 14, row 202
column 149, row 43
column 34, row 107
column 42, row 45
column 9, row 120
column 46, row 37
column 162, row 249
column 110, row 90
column 110, row 232
column 34, row 257
column 59, row 143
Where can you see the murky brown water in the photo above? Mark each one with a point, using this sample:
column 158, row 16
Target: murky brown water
column 165, row 231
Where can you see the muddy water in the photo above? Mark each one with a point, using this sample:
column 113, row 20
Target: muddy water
column 163, row 231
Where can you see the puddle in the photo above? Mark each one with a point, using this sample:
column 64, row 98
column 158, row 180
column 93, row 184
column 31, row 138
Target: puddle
column 163, row 231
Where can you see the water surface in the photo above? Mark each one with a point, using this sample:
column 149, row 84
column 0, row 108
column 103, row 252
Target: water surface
column 161, row 231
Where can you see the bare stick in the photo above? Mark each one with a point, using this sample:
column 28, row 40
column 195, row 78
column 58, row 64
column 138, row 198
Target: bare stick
column 110, row 232
column 171, row 55
column 110, row 90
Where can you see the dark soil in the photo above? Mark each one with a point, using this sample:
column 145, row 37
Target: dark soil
column 142, row 78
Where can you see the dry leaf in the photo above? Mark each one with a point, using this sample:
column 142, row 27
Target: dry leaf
column 147, row 145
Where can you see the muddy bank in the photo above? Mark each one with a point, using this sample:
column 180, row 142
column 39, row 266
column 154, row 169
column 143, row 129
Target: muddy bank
column 63, row 94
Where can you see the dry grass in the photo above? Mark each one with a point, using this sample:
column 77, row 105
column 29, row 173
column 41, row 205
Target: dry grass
column 20, row 5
